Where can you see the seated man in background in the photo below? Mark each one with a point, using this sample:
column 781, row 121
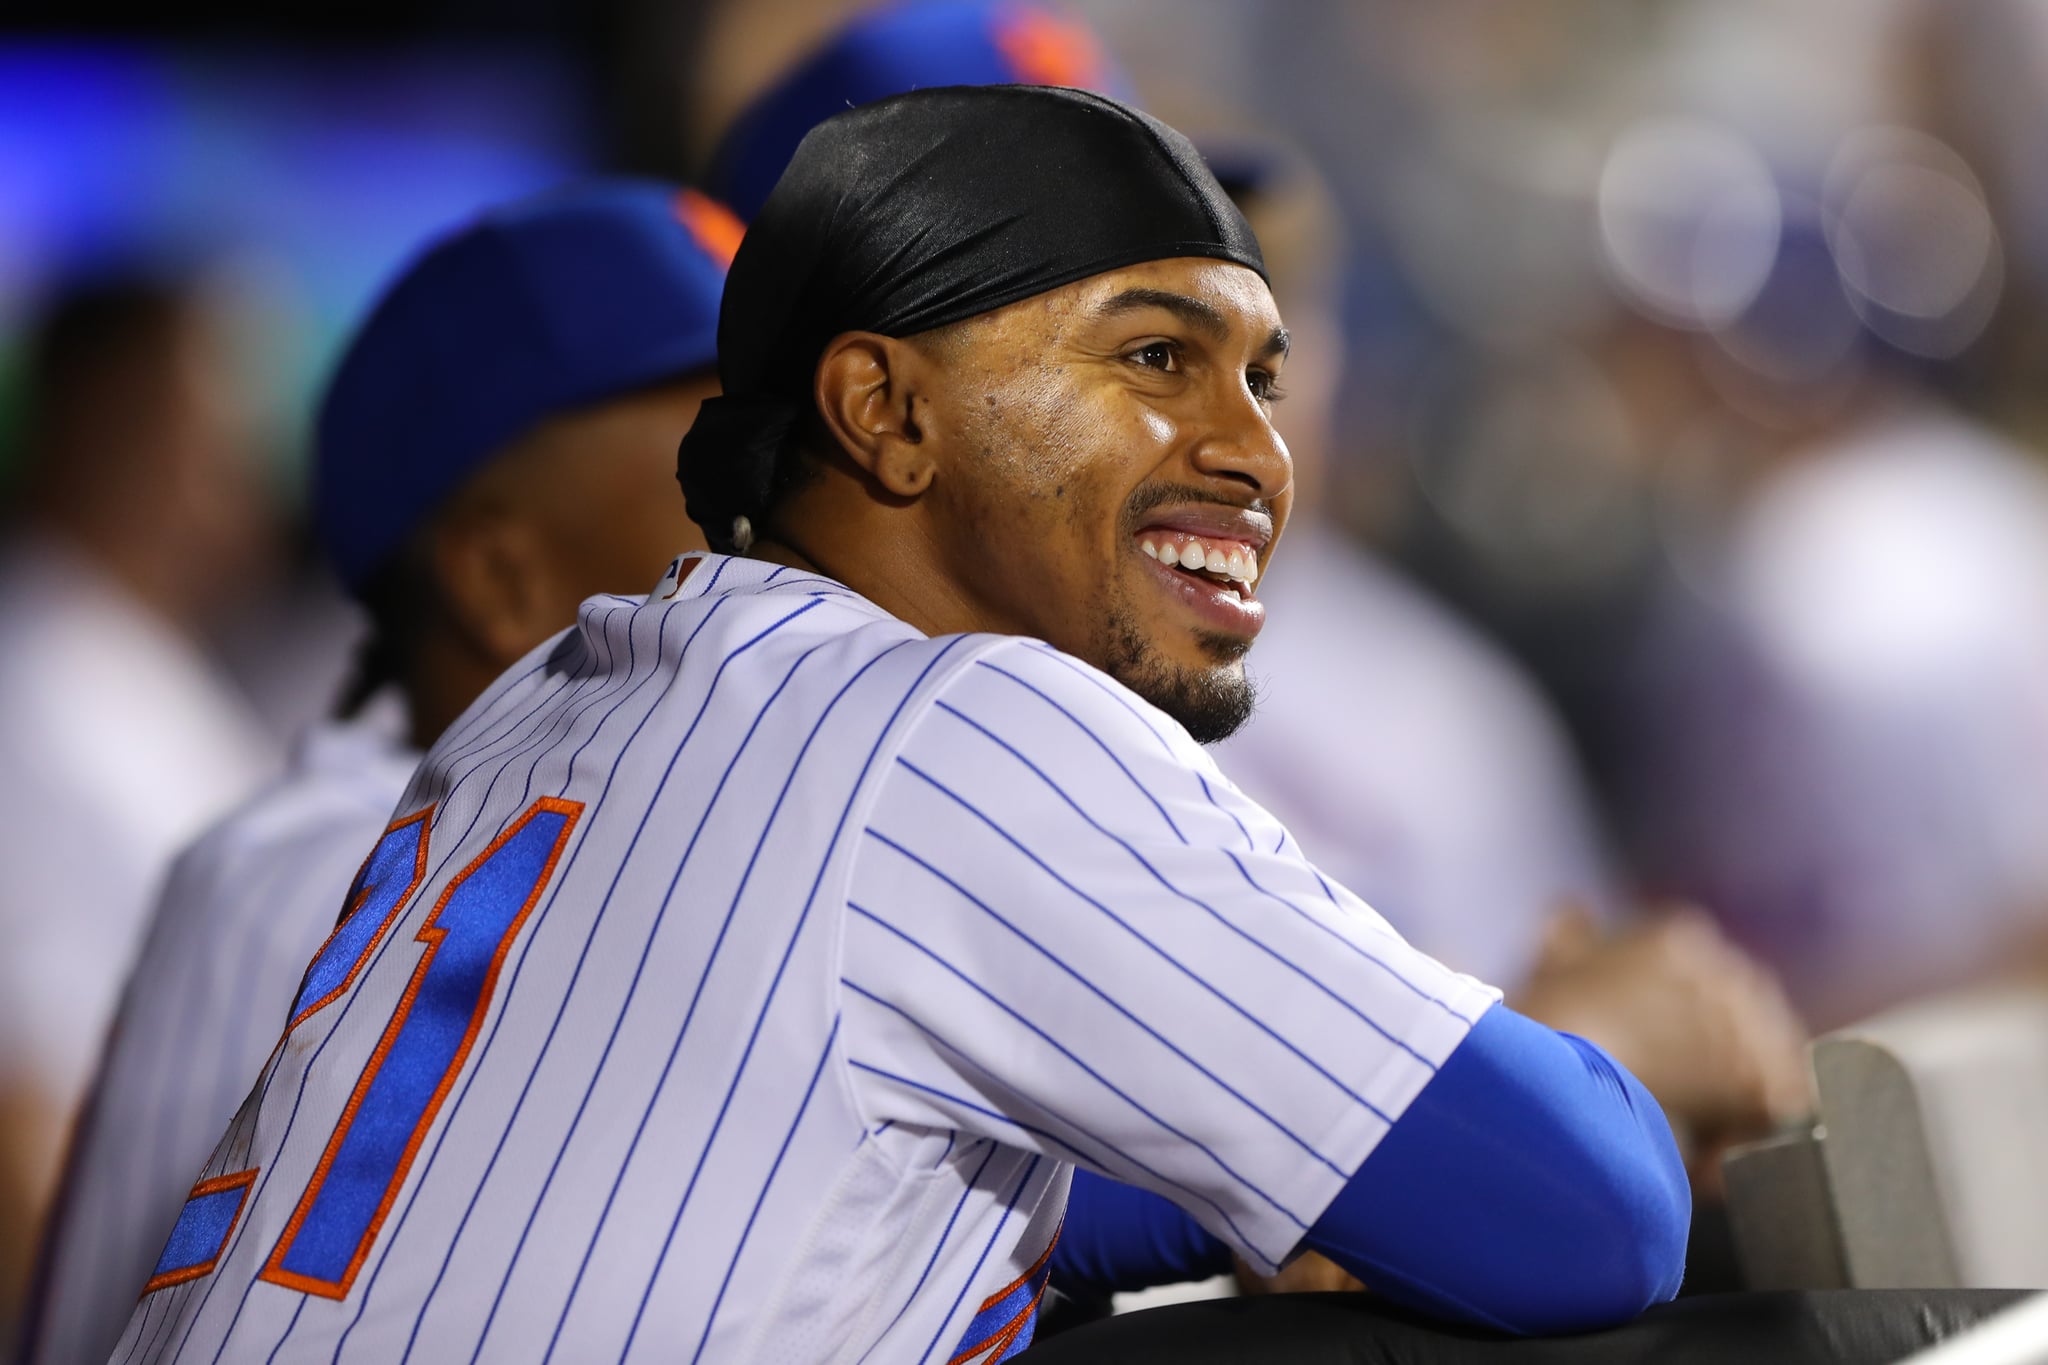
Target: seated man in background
column 745, row 972
column 497, row 445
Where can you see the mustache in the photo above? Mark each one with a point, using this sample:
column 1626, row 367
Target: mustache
column 1159, row 494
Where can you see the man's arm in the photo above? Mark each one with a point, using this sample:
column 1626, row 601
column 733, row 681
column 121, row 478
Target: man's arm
column 1067, row 932
column 1117, row 1238
column 1484, row 1203
column 1532, row 1186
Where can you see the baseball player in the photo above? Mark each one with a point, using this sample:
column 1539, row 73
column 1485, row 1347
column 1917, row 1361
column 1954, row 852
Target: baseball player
column 497, row 444
column 1412, row 762
column 743, row 974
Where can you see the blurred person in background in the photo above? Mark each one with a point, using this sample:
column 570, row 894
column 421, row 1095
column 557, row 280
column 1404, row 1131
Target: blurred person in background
column 497, row 444
column 1835, row 731
column 1416, row 761
column 1841, row 698
column 139, row 512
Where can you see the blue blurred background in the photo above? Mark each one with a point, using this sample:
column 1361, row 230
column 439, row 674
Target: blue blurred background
column 291, row 178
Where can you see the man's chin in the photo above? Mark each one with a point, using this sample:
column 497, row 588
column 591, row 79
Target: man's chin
column 1211, row 703
column 1209, row 694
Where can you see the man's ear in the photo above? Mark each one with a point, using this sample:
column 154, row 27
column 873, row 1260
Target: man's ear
column 869, row 388
column 495, row 584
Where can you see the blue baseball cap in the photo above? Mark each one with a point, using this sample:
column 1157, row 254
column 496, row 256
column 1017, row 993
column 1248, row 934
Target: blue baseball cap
column 533, row 310
column 898, row 48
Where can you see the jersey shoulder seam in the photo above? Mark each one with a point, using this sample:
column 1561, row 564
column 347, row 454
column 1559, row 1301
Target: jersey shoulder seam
column 979, row 647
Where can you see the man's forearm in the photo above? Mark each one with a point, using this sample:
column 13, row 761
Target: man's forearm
column 1118, row 1238
column 1532, row 1186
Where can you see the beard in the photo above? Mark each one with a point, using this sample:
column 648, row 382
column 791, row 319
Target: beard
column 1211, row 703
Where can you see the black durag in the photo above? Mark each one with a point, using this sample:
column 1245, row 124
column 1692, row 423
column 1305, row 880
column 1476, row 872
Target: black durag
column 922, row 210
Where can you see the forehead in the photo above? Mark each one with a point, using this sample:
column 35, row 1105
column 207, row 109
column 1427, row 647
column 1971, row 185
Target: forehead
column 1234, row 293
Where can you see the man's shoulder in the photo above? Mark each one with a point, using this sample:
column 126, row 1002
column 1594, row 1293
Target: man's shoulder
column 1045, row 695
column 342, row 784
column 707, row 607
column 716, row 613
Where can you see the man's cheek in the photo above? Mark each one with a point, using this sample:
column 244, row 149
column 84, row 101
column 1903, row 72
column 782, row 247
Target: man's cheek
column 1156, row 427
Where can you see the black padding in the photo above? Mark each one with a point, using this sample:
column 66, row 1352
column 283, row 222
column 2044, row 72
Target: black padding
column 1817, row 1327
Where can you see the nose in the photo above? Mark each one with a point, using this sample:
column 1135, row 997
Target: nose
column 1240, row 445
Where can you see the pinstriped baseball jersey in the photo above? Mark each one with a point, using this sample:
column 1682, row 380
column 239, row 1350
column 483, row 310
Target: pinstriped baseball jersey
column 240, row 913
column 741, row 977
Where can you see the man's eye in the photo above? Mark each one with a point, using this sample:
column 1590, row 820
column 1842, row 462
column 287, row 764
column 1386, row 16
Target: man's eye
column 1265, row 386
column 1158, row 355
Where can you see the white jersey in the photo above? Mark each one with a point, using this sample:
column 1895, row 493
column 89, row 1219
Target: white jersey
column 243, row 911
column 737, row 981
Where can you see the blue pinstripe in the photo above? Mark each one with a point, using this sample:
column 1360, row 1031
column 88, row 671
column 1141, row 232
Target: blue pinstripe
column 160, row 1178
column 577, row 973
column 661, row 635
column 1189, row 1138
column 1118, row 920
column 286, row 1335
column 617, row 697
column 163, row 1179
column 582, row 709
column 1094, row 989
column 1092, row 1160
column 538, row 707
column 946, row 1236
column 1023, row 1182
column 1339, row 938
column 1249, row 846
column 1253, row 939
column 739, row 1248
column 697, row 994
column 1093, row 738
column 476, row 1066
column 1095, row 680
column 803, row 917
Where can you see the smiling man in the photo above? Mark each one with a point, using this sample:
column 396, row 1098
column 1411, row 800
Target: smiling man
column 745, row 973
column 1123, row 457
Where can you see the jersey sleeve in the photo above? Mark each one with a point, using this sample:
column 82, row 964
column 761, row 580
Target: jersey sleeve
column 1067, row 931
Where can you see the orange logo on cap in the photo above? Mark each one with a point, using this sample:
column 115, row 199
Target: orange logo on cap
column 715, row 227
column 1047, row 49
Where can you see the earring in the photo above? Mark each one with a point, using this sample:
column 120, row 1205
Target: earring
column 742, row 535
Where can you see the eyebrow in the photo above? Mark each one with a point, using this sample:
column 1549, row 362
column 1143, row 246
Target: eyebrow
column 1196, row 313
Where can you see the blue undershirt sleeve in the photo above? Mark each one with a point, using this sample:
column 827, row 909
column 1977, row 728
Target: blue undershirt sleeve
column 1532, row 1186
column 1118, row 1238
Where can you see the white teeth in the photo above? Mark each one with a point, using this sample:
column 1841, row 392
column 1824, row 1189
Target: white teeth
column 1235, row 562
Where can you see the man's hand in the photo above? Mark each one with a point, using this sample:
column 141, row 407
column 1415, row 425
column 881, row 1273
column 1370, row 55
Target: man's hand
column 31, row 1139
column 1307, row 1273
column 1702, row 1026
